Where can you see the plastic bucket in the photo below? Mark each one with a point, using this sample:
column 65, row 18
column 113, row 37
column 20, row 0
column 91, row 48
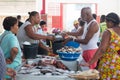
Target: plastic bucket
column 56, row 46
column 73, row 44
column 30, row 51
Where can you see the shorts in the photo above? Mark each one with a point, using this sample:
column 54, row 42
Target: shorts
column 88, row 55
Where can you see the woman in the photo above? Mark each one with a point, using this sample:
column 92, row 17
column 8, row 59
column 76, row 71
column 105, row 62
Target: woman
column 28, row 31
column 10, row 44
column 109, row 50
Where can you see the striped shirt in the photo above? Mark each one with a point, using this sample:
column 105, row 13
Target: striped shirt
column 2, row 65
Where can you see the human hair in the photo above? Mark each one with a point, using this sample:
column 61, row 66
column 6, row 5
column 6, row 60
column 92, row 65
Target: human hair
column 94, row 16
column 102, row 18
column 81, row 23
column 18, row 17
column 33, row 13
column 8, row 22
column 113, row 17
column 87, row 10
column 27, row 19
column 42, row 23
column 79, row 19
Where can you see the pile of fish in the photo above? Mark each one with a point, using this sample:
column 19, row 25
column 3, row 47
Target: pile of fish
column 69, row 49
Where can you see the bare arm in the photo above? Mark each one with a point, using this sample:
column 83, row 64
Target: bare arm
column 42, row 46
column 102, row 48
column 13, row 54
column 78, row 33
column 34, row 36
column 91, row 31
column 45, row 47
column 11, row 72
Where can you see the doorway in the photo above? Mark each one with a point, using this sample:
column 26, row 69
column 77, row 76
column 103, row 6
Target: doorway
column 71, row 12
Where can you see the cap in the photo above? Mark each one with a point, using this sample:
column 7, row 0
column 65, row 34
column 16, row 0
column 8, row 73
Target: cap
column 75, row 22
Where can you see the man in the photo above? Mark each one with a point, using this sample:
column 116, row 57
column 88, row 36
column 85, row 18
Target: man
column 76, row 26
column 90, row 35
column 94, row 16
column 77, row 33
column 103, row 25
column 19, row 21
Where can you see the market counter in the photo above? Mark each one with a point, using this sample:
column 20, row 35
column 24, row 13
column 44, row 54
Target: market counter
column 44, row 77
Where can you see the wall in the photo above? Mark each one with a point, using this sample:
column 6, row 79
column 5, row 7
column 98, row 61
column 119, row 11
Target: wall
column 22, row 7
column 38, row 5
column 104, row 6
column 72, row 12
column 15, row 7
column 119, row 7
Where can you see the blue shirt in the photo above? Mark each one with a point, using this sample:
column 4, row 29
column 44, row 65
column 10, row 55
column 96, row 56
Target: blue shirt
column 2, row 65
column 9, row 41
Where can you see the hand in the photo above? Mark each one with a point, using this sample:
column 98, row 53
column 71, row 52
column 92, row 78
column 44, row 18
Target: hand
column 8, row 61
column 67, row 40
column 51, row 38
column 49, row 49
column 27, row 65
column 65, row 35
column 11, row 73
column 85, row 64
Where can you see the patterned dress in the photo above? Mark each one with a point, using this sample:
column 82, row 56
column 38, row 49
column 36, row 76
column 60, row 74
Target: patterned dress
column 109, row 65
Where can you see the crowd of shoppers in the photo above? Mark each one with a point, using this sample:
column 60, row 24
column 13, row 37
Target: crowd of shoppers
column 32, row 30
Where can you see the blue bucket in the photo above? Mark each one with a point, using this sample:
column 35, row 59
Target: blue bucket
column 69, row 56
column 73, row 44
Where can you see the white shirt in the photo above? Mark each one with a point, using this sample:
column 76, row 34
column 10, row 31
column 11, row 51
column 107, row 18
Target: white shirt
column 92, row 44
column 22, row 36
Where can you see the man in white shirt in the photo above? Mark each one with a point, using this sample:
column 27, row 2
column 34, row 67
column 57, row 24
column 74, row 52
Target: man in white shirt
column 89, row 35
